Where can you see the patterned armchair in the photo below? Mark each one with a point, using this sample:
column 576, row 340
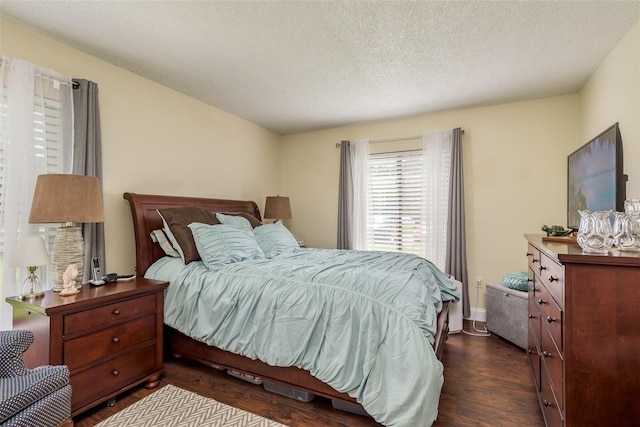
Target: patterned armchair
column 39, row 397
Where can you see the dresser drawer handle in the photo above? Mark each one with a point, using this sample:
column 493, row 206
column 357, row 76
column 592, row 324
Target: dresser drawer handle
column 531, row 316
column 529, row 254
column 546, row 353
column 533, row 260
column 534, row 289
column 550, row 319
column 540, row 301
column 529, row 280
column 115, row 373
column 115, row 340
column 546, row 403
column 553, row 279
column 530, row 351
column 542, row 267
column 116, row 311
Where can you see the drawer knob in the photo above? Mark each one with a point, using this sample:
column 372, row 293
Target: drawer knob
column 546, row 403
column 116, row 311
column 550, row 319
column 115, row 373
column 540, row 301
column 115, row 340
column 531, row 316
column 533, row 260
column 542, row 267
column 530, row 351
column 552, row 279
column 529, row 280
column 535, row 289
column 529, row 254
column 546, row 353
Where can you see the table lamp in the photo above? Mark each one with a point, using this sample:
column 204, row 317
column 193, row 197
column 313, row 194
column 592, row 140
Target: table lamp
column 65, row 198
column 30, row 252
column 277, row 207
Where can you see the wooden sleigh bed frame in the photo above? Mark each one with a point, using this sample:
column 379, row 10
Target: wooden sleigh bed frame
column 146, row 220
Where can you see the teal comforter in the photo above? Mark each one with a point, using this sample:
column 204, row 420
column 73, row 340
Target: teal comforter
column 362, row 322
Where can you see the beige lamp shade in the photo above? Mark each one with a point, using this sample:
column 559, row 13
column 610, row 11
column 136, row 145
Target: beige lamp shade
column 30, row 252
column 277, row 207
column 66, row 198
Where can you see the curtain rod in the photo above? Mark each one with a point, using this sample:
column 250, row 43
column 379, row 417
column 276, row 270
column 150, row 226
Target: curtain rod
column 404, row 138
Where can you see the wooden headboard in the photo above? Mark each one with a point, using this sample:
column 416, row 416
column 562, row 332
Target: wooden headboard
column 146, row 219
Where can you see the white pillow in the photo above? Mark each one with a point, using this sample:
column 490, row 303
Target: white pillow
column 158, row 236
column 274, row 239
column 223, row 244
column 236, row 221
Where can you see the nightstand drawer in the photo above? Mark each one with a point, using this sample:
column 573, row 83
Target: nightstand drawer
column 104, row 315
column 112, row 375
column 90, row 348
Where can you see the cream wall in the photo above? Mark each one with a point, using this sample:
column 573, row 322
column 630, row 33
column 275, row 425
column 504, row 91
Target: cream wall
column 514, row 167
column 156, row 140
column 612, row 94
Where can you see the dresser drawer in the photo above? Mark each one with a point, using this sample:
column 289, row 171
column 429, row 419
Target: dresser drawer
column 110, row 376
column 551, row 317
column 550, row 409
column 534, row 320
column 106, row 314
column 533, row 256
column 553, row 364
column 552, row 275
column 90, row 348
column 534, row 358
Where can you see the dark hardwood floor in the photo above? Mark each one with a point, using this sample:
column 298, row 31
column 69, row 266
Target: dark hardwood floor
column 487, row 383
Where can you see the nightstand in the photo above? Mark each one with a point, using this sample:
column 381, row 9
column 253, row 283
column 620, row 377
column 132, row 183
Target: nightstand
column 109, row 336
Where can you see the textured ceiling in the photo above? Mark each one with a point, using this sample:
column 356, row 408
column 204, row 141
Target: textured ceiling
column 298, row 66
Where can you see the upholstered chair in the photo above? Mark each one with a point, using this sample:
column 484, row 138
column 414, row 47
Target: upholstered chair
column 39, row 397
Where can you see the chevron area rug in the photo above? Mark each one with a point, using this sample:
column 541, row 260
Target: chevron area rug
column 174, row 407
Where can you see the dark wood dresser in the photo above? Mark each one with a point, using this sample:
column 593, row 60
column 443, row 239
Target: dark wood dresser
column 109, row 336
column 584, row 334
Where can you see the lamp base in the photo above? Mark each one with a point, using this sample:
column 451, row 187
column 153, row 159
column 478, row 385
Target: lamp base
column 68, row 248
column 31, row 289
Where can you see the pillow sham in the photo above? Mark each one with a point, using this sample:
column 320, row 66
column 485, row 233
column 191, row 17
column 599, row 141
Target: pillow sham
column 176, row 222
column 224, row 244
column 159, row 237
column 235, row 220
column 255, row 222
column 275, row 239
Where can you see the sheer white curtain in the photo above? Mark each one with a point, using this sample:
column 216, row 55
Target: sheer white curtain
column 361, row 192
column 435, row 196
column 36, row 137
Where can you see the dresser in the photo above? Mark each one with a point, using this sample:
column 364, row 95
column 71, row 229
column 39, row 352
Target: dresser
column 109, row 336
column 584, row 334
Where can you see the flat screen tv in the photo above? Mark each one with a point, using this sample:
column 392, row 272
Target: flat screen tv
column 595, row 176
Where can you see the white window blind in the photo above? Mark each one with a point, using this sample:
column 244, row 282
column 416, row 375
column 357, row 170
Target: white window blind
column 395, row 202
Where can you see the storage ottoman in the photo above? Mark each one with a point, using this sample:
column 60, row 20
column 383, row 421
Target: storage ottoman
column 507, row 313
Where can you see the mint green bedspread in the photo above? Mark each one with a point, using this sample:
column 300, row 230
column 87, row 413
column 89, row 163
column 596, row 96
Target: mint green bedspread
column 362, row 322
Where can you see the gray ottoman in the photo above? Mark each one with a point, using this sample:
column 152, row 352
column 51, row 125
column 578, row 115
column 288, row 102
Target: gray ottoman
column 507, row 313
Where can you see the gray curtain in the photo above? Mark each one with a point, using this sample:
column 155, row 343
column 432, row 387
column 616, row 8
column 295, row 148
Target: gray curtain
column 345, row 198
column 456, row 261
column 87, row 160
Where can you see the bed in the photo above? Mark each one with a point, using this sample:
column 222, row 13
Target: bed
column 310, row 372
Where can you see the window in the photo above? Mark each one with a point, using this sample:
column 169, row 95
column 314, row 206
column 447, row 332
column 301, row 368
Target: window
column 36, row 137
column 395, row 202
